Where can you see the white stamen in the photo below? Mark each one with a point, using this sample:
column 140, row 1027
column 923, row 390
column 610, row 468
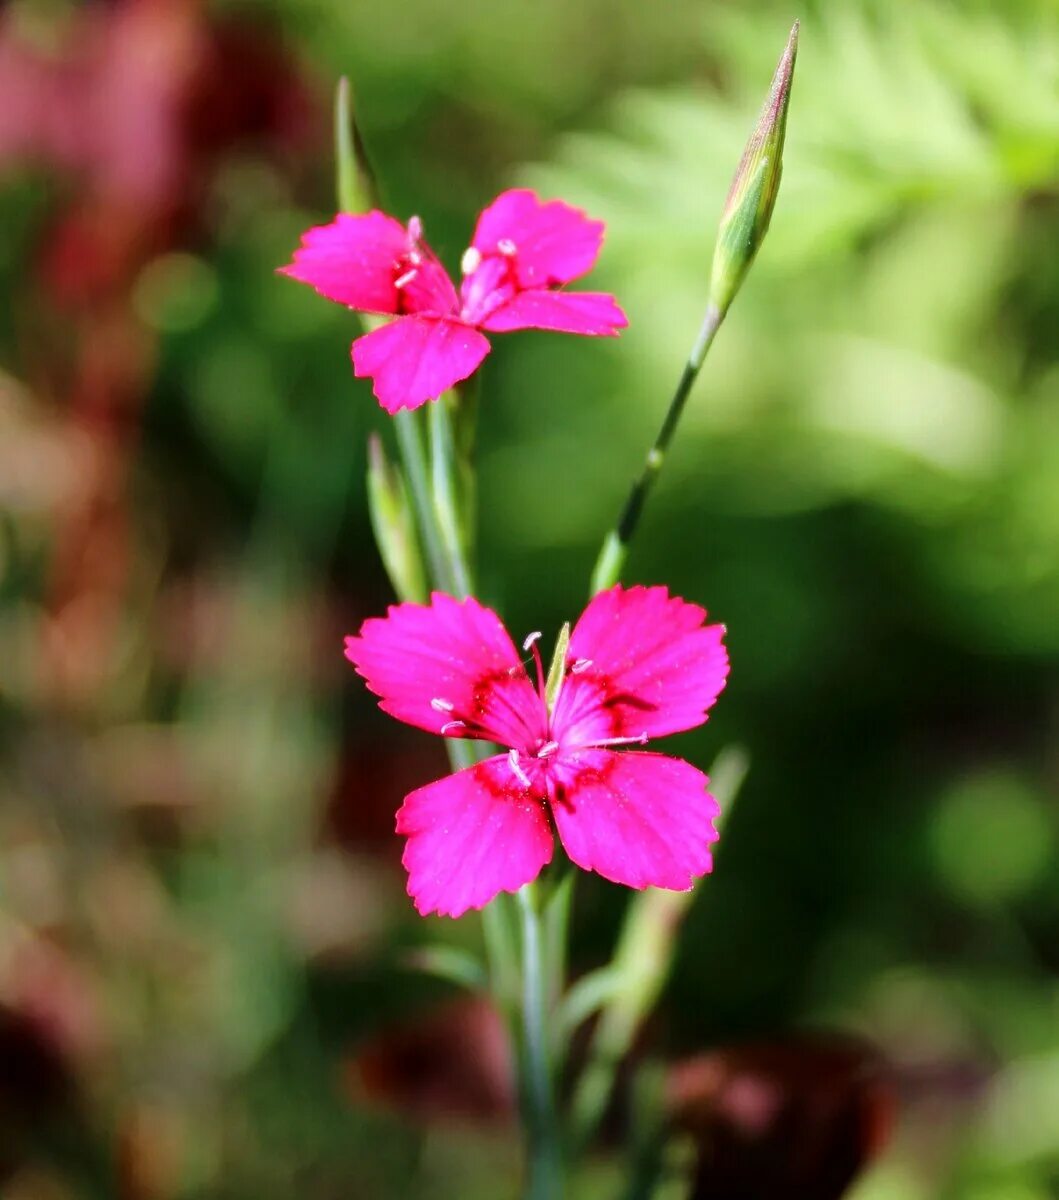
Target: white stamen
column 405, row 279
column 439, row 705
column 521, row 775
column 471, row 261
column 582, row 664
column 414, row 257
column 507, row 247
column 547, row 749
column 415, row 230
column 449, row 726
column 533, row 637
column 641, row 740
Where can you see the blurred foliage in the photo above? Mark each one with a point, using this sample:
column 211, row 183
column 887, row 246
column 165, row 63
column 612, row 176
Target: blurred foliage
column 201, row 908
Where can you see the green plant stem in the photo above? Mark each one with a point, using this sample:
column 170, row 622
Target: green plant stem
column 444, row 466
column 545, row 1159
column 413, row 458
column 615, row 548
column 641, row 965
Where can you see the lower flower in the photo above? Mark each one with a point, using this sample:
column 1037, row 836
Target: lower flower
column 640, row 664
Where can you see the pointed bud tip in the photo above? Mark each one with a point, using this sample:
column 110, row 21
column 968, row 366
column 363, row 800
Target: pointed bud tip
column 752, row 196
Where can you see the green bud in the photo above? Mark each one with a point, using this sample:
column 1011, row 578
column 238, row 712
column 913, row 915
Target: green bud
column 752, row 196
column 393, row 524
column 354, row 178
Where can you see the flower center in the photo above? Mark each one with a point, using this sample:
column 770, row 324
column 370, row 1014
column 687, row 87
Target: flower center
column 489, row 284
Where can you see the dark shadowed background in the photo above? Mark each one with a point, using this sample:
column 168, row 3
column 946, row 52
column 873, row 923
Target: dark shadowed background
column 202, row 916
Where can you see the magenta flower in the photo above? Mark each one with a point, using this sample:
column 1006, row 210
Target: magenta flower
column 640, row 664
column 523, row 250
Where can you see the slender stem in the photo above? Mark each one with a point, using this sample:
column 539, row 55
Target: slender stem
column 545, row 1166
column 414, row 459
column 443, row 468
column 640, row 969
column 616, row 544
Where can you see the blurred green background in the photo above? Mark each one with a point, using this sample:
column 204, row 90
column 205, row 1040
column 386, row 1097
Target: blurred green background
column 202, row 917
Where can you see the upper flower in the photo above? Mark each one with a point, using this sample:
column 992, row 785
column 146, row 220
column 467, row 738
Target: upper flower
column 522, row 251
column 640, row 664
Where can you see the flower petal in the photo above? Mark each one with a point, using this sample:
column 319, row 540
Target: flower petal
column 551, row 243
column 415, row 359
column 595, row 314
column 470, row 836
column 644, row 820
column 352, row 260
column 446, row 661
column 357, row 260
column 640, row 662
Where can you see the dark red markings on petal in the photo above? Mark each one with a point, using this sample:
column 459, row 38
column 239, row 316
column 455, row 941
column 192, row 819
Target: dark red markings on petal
column 472, row 835
column 644, row 820
column 424, row 285
column 640, row 662
column 447, row 661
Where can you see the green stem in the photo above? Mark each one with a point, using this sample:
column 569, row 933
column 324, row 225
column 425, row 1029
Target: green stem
column 545, row 1160
column 443, row 466
column 414, row 459
column 640, row 968
column 616, row 544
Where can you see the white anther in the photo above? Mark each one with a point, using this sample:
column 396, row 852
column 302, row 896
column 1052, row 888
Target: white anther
column 451, row 726
column 471, row 261
column 506, row 246
column 439, row 705
column 533, row 637
column 521, row 775
column 547, row 749
column 405, row 279
column 414, row 257
column 415, row 230
column 580, row 665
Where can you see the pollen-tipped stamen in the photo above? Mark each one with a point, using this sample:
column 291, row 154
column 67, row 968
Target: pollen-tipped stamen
column 520, row 775
column 531, row 644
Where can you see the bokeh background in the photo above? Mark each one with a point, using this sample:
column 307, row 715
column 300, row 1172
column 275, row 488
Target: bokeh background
column 203, row 930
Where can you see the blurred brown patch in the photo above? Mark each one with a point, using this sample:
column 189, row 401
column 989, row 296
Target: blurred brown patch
column 135, row 104
column 798, row 1118
column 453, row 1064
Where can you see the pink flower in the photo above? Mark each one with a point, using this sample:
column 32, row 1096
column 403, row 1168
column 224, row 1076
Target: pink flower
column 523, row 250
column 640, row 664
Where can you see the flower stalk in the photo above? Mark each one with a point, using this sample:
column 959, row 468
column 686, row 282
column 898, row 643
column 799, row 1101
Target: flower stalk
column 569, row 771
column 639, row 969
column 612, row 556
column 744, row 223
column 545, row 1155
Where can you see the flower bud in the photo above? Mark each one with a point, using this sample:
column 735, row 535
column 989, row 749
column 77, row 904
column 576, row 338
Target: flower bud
column 393, row 525
column 752, row 196
column 354, row 178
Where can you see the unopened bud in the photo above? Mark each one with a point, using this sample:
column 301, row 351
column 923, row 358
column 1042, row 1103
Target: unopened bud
column 354, row 178
column 393, row 524
column 752, row 196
